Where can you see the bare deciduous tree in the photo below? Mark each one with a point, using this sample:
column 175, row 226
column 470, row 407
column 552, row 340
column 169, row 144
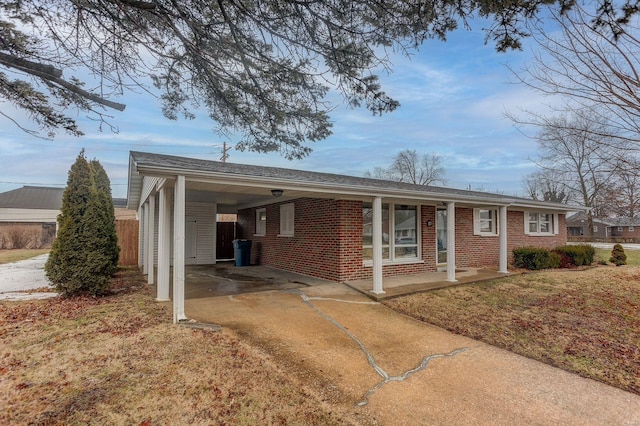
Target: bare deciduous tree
column 625, row 193
column 409, row 166
column 578, row 159
column 593, row 66
column 546, row 185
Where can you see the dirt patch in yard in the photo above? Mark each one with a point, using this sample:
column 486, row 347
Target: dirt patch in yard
column 118, row 360
column 587, row 322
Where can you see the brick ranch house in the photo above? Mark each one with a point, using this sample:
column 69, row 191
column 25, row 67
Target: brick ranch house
column 330, row 226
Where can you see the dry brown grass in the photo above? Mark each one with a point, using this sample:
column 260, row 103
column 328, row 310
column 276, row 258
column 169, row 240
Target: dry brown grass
column 587, row 322
column 118, row 360
column 8, row 256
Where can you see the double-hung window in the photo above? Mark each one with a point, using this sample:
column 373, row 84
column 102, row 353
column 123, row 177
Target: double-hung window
column 485, row 222
column 400, row 232
column 286, row 220
column 261, row 222
column 540, row 223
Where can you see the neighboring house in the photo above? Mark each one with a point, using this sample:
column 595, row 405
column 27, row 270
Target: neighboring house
column 615, row 228
column 35, row 210
column 121, row 211
column 330, row 226
column 32, row 208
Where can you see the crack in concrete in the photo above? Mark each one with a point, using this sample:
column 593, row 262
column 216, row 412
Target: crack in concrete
column 406, row 374
column 370, row 359
column 361, row 345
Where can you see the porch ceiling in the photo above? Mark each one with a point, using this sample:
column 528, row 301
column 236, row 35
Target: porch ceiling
column 231, row 197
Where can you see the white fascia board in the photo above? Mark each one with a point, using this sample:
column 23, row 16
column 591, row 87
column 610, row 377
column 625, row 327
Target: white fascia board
column 134, row 186
column 544, row 207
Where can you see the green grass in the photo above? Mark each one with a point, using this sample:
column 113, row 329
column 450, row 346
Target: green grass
column 633, row 256
column 8, row 256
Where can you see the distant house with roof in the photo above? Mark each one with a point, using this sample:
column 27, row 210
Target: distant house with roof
column 35, row 209
column 615, row 229
column 330, row 226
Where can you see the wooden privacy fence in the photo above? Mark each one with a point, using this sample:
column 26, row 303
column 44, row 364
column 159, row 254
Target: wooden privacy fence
column 127, row 231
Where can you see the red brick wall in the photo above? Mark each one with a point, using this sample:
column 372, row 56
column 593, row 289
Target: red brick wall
column 327, row 241
column 477, row 251
column 314, row 248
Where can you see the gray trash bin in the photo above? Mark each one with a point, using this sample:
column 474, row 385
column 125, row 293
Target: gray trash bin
column 242, row 252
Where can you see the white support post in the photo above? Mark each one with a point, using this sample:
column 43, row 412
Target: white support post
column 377, row 246
column 451, row 242
column 503, row 240
column 215, row 232
column 164, row 234
column 151, row 244
column 178, row 249
column 145, row 238
column 140, row 235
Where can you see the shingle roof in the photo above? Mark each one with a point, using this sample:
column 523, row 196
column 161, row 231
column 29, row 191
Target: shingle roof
column 578, row 218
column 32, row 197
column 169, row 162
column 622, row 221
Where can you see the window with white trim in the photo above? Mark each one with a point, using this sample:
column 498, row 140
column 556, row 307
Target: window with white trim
column 620, row 229
column 400, row 232
column 540, row 223
column 485, row 222
column 286, row 220
column 261, row 222
column 595, row 228
column 631, row 229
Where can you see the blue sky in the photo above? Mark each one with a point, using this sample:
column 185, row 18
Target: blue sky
column 453, row 98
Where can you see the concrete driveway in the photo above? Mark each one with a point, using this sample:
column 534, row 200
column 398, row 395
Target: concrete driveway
column 406, row 372
column 17, row 278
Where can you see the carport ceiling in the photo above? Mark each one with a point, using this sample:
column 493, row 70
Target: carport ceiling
column 241, row 196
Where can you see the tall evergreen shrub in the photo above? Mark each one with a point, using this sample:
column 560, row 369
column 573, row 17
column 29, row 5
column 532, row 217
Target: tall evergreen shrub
column 109, row 237
column 84, row 254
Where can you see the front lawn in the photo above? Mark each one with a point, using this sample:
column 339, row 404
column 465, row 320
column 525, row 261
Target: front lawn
column 119, row 360
column 633, row 256
column 587, row 322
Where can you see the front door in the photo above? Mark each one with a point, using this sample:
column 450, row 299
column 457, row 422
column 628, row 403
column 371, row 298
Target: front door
column 441, row 235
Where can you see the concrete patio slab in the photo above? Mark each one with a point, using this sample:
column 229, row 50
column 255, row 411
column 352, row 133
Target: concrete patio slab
column 418, row 283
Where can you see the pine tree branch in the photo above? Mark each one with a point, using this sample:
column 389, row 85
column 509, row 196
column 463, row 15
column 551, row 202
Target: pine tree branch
column 54, row 75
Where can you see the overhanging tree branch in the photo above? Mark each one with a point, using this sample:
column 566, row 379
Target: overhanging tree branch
column 53, row 75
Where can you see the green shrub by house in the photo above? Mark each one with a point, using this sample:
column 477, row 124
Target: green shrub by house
column 575, row 255
column 618, row 256
column 83, row 257
column 535, row 258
